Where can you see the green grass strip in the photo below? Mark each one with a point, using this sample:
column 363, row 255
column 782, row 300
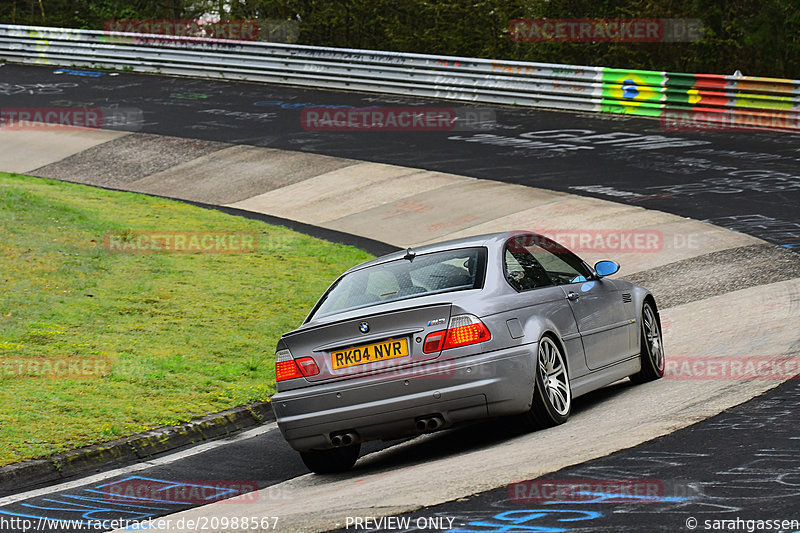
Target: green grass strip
column 126, row 342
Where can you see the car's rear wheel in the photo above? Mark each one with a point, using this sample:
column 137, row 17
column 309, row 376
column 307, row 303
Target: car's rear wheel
column 333, row 460
column 652, row 347
column 552, row 395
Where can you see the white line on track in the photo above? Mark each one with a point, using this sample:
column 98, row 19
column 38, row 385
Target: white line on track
column 165, row 460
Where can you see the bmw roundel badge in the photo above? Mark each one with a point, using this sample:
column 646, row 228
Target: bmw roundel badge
column 363, row 327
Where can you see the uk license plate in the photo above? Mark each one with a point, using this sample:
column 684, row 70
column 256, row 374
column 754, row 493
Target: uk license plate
column 369, row 353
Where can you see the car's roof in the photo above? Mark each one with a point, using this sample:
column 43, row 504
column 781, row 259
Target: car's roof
column 487, row 240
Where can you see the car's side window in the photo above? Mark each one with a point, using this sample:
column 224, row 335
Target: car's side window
column 523, row 271
column 561, row 265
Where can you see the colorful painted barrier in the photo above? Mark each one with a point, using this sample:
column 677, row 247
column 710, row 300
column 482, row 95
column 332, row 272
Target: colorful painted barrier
column 693, row 101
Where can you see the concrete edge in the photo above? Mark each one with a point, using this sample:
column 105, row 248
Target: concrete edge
column 376, row 248
column 372, row 246
column 133, row 448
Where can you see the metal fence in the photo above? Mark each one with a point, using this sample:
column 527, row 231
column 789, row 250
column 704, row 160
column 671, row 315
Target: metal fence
column 733, row 100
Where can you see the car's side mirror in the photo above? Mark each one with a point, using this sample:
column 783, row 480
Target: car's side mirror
column 606, row 268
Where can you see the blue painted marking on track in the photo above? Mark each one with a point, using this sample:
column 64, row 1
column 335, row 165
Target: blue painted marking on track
column 292, row 105
column 219, row 492
column 115, row 500
column 525, row 521
column 304, row 105
column 76, row 522
column 610, row 497
column 100, row 502
column 133, row 501
column 88, row 511
column 85, row 73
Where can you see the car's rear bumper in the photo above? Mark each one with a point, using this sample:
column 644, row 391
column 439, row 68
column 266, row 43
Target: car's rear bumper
column 387, row 406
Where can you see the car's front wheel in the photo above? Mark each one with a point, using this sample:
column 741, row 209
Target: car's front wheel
column 552, row 395
column 652, row 347
column 331, row 461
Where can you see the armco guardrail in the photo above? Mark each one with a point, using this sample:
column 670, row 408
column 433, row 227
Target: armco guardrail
column 735, row 101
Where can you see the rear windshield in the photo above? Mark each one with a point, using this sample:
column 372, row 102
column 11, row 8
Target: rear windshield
column 433, row 273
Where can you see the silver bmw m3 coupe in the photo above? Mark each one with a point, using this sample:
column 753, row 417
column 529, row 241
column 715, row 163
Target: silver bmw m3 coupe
column 495, row 325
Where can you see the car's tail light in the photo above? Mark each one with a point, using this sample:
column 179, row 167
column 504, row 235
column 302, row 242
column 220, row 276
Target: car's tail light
column 286, row 367
column 462, row 330
column 434, row 341
column 308, row 366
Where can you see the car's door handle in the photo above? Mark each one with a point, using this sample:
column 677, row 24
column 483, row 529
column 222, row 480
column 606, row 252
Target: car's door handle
column 572, row 296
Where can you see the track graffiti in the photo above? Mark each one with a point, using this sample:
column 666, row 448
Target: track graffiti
column 692, row 479
column 35, row 88
column 784, row 232
column 531, row 521
column 116, row 501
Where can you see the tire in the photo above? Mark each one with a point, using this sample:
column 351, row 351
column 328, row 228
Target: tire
column 331, row 461
column 552, row 395
column 652, row 347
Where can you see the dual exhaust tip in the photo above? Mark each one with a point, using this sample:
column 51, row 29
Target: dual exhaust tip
column 343, row 439
column 427, row 424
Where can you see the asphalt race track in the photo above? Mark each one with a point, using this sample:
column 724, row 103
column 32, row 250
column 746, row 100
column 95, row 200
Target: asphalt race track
column 742, row 463
column 221, row 469
column 687, row 481
column 656, row 486
column 746, row 181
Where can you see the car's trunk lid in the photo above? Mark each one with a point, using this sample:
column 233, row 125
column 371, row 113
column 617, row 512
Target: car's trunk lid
column 371, row 343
